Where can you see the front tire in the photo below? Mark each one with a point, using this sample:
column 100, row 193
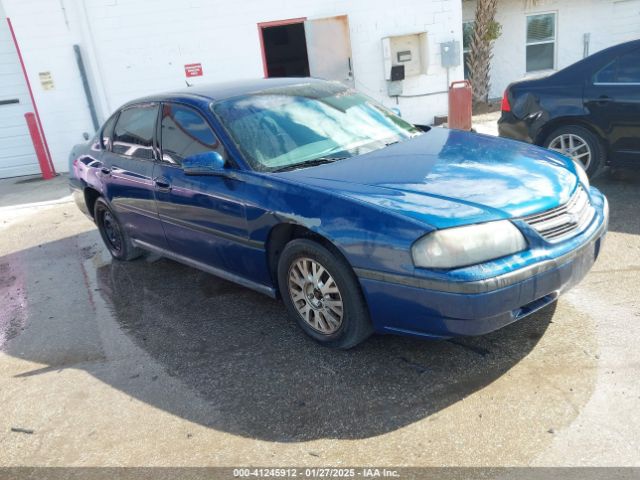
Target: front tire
column 113, row 235
column 580, row 144
column 323, row 295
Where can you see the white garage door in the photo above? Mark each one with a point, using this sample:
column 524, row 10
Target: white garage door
column 626, row 20
column 17, row 156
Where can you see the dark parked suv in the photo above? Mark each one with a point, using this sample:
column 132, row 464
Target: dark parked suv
column 589, row 111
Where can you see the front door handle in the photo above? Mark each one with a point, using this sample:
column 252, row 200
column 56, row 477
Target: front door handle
column 603, row 100
column 162, row 184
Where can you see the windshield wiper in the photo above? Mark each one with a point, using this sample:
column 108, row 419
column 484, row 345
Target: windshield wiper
column 309, row 163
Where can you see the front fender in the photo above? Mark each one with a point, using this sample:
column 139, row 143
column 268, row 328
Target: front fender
column 366, row 235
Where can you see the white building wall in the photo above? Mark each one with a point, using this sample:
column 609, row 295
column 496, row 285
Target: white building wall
column 46, row 43
column 607, row 21
column 17, row 154
column 136, row 47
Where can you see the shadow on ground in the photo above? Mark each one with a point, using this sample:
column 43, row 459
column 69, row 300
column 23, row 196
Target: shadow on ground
column 258, row 375
column 622, row 188
column 243, row 355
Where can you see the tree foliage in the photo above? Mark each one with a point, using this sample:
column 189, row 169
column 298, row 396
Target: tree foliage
column 485, row 31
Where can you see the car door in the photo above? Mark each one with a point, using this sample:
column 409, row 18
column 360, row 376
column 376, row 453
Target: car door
column 127, row 173
column 613, row 100
column 203, row 215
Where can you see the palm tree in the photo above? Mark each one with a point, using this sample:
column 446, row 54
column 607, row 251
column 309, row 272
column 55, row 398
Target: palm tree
column 485, row 31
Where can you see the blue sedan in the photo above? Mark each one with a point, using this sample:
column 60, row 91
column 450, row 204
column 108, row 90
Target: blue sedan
column 358, row 220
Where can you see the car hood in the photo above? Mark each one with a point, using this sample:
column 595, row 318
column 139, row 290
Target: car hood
column 446, row 178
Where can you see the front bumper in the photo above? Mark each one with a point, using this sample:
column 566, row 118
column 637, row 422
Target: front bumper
column 479, row 307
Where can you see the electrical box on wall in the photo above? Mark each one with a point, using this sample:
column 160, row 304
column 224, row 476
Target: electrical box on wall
column 408, row 51
column 450, row 53
column 394, row 88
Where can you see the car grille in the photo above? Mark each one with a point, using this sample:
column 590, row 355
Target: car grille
column 564, row 221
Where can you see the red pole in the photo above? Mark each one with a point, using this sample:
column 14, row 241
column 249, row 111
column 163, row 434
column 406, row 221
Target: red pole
column 41, row 136
column 38, row 145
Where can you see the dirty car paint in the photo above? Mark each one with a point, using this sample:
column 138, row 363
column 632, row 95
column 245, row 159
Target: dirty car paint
column 372, row 208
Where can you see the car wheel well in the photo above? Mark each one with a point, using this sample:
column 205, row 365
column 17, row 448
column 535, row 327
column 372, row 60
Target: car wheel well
column 564, row 122
column 90, row 197
column 282, row 234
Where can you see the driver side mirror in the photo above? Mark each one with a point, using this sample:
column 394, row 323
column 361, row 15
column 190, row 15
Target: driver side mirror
column 207, row 163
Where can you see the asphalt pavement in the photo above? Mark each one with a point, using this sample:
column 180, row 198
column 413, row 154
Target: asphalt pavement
column 104, row 363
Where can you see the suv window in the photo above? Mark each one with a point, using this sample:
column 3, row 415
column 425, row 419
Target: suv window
column 184, row 132
column 624, row 69
column 107, row 130
column 133, row 135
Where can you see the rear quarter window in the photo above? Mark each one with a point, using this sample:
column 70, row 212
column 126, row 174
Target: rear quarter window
column 107, row 131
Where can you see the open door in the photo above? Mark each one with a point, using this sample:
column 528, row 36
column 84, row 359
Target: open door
column 329, row 48
column 284, row 48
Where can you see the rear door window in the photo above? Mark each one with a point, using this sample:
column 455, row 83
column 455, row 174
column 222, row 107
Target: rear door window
column 624, row 69
column 629, row 68
column 184, row 132
column 133, row 134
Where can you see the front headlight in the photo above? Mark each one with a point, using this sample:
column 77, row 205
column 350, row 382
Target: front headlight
column 582, row 175
column 468, row 245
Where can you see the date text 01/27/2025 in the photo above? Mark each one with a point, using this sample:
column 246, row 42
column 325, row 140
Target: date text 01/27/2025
column 316, row 472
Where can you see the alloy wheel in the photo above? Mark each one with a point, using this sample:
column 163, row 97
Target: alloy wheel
column 315, row 295
column 573, row 146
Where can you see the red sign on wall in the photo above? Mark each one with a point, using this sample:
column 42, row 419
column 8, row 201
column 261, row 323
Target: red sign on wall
column 193, row 70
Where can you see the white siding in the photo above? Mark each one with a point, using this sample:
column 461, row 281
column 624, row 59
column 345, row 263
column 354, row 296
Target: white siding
column 149, row 56
column 17, row 156
column 45, row 35
column 137, row 47
column 626, row 20
column 608, row 22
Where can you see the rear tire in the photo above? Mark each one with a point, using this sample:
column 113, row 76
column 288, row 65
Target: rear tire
column 580, row 144
column 323, row 295
column 113, row 235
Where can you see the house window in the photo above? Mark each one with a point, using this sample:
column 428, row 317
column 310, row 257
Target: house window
column 467, row 34
column 541, row 42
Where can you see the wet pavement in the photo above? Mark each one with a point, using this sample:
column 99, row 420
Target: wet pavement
column 154, row 363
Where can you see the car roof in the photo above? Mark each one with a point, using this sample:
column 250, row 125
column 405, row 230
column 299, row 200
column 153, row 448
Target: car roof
column 615, row 50
column 597, row 59
column 225, row 90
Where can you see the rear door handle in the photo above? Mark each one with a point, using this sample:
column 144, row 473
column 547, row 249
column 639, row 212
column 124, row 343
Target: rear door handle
column 603, row 99
column 162, row 184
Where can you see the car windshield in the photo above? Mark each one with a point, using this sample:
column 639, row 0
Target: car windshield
column 292, row 127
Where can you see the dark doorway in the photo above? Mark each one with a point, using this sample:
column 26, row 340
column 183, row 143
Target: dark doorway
column 284, row 49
